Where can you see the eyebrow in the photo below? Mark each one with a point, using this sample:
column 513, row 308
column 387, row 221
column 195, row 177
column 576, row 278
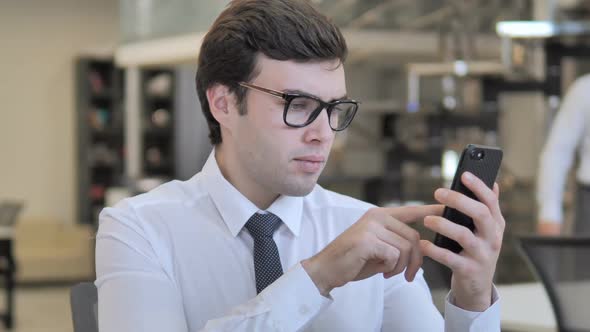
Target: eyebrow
column 312, row 95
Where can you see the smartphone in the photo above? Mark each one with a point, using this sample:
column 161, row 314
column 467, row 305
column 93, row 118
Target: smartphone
column 483, row 162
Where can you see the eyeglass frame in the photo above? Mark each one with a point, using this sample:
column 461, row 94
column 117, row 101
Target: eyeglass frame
column 289, row 97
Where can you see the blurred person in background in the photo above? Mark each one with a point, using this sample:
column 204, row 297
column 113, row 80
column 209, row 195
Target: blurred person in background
column 570, row 135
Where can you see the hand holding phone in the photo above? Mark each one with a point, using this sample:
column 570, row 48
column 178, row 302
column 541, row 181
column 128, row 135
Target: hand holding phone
column 483, row 162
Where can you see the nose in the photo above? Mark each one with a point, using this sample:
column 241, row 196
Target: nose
column 319, row 130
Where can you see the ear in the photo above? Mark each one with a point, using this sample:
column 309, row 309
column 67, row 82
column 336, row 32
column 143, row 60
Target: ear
column 220, row 102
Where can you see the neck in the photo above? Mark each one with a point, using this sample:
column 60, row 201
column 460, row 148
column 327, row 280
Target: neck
column 245, row 184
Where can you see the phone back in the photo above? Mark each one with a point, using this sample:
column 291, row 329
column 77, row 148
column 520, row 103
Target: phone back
column 483, row 162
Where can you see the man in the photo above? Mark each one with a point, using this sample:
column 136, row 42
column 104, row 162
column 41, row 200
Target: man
column 569, row 134
column 252, row 243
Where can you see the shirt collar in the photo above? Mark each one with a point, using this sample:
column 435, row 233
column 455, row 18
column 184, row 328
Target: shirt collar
column 236, row 209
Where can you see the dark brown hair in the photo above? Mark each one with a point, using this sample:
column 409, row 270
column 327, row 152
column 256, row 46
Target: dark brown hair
column 279, row 29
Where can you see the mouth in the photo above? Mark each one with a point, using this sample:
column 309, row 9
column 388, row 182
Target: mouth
column 310, row 164
column 312, row 158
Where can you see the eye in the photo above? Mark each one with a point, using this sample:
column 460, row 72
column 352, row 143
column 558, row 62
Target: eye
column 298, row 105
column 302, row 104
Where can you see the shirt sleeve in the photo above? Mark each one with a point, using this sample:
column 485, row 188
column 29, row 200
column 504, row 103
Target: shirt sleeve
column 559, row 150
column 289, row 304
column 409, row 307
column 136, row 292
column 457, row 319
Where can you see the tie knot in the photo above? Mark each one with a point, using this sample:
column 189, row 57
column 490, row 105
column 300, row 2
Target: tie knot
column 263, row 225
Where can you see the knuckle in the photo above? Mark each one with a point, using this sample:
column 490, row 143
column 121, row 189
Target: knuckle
column 405, row 248
column 497, row 244
column 369, row 214
column 392, row 261
column 493, row 200
column 363, row 239
column 502, row 224
column 414, row 236
column 374, row 212
column 390, row 265
column 465, row 237
column 448, row 258
column 368, row 238
column 471, row 243
column 370, row 226
column 391, row 257
column 482, row 212
column 409, row 246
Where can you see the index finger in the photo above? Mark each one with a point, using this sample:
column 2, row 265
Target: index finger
column 409, row 214
column 486, row 195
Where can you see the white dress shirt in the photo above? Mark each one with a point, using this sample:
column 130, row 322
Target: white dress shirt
column 569, row 133
column 179, row 259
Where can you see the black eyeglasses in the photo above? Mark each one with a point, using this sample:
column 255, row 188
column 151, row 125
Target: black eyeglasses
column 301, row 110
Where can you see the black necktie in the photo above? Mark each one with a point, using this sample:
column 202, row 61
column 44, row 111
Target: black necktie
column 267, row 263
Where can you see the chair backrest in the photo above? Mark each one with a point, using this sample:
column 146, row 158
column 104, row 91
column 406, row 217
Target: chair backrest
column 9, row 212
column 84, row 303
column 563, row 266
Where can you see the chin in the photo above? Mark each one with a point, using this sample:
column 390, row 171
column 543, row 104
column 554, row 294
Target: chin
column 299, row 189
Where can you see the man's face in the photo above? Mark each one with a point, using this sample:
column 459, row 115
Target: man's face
column 282, row 159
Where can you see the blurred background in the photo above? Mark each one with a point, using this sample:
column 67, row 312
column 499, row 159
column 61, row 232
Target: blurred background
column 98, row 103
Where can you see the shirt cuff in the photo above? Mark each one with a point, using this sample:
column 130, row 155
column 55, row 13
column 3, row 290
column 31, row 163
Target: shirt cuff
column 294, row 298
column 457, row 319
